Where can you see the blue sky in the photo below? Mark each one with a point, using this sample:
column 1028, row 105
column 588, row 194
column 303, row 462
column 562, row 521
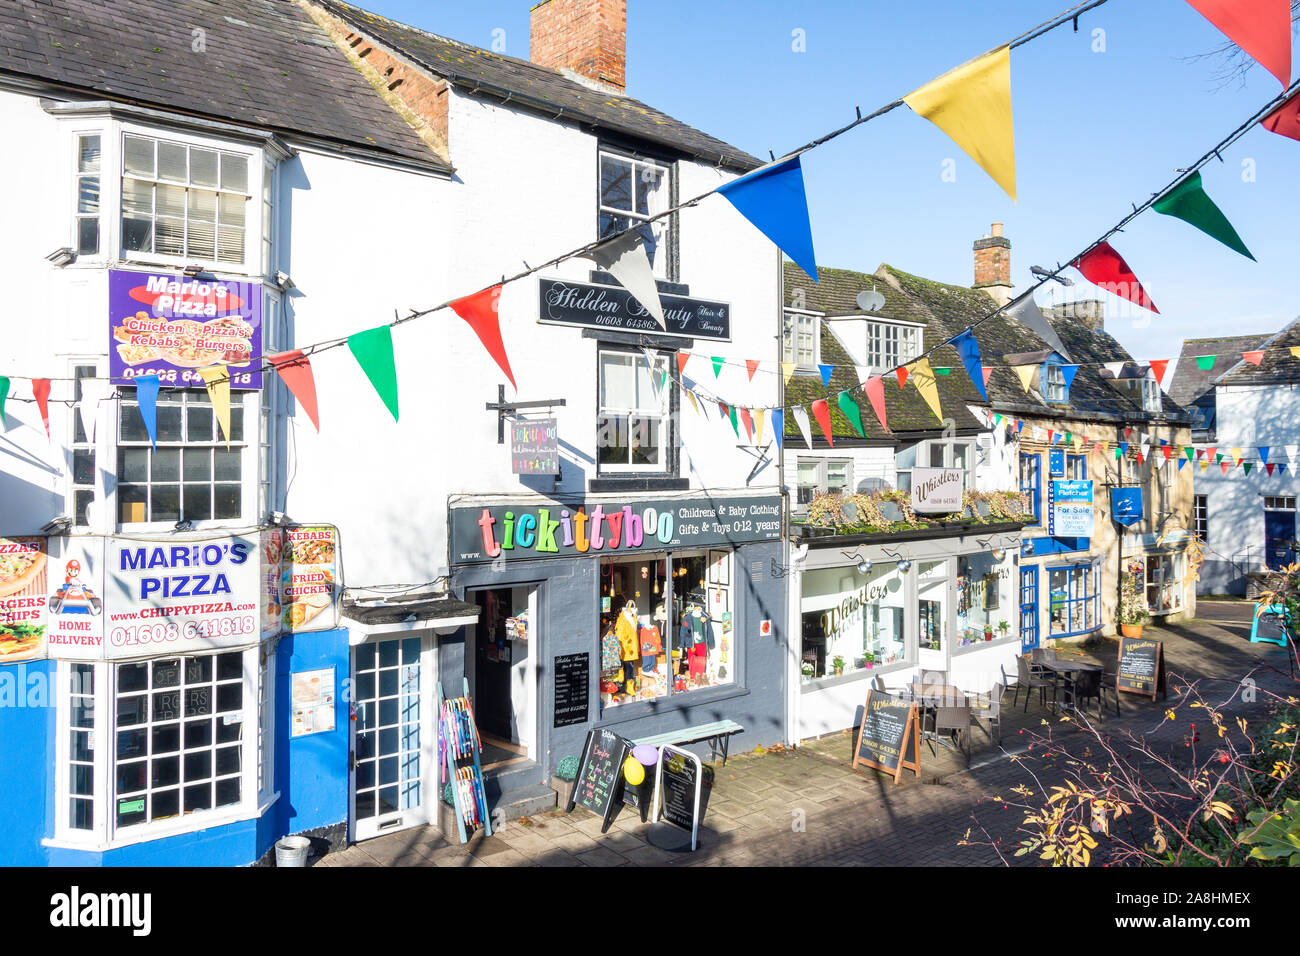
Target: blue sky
column 1095, row 132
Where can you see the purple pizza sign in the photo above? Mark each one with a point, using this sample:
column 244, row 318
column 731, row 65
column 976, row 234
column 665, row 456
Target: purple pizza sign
column 172, row 326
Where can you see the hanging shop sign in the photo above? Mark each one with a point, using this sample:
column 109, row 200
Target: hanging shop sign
column 1126, row 505
column 522, row 531
column 172, row 325
column 534, row 447
column 1070, row 514
column 1141, row 666
column 598, row 787
column 311, row 579
column 890, row 730
column 613, row 307
column 937, row 490
column 1056, row 462
column 112, row 598
column 23, row 568
column 572, row 688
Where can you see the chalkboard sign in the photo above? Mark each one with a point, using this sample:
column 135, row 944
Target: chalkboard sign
column 598, row 787
column 890, row 730
column 572, row 688
column 677, row 790
column 1141, row 666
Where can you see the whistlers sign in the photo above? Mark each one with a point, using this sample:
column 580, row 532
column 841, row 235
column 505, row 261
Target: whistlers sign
column 525, row 530
column 613, row 307
column 937, row 490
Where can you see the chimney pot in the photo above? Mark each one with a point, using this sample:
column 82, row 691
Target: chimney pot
column 997, row 229
column 993, row 265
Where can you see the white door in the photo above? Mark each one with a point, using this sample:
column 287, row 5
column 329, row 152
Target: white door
column 392, row 754
column 932, row 610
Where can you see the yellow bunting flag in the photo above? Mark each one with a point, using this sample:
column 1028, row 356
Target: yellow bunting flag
column 1295, row 351
column 1236, row 456
column 1025, row 373
column 787, row 369
column 923, row 376
column 694, row 404
column 758, row 425
column 218, row 382
column 972, row 104
column 1205, row 463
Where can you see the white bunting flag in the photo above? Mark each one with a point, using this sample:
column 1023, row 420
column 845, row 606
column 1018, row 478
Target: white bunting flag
column 93, row 391
column 624, row 258
column 801, row 418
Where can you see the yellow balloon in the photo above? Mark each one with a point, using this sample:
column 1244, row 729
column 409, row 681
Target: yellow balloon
column 633, row 772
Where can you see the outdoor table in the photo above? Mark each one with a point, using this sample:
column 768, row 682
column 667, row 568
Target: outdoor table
column 929, row 697
column 1067, row 668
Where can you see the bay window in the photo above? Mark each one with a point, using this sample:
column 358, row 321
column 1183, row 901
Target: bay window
column 852, row 622
column 984, row 598
column 88, row 185
column 1072, row 592
column 1164, row 583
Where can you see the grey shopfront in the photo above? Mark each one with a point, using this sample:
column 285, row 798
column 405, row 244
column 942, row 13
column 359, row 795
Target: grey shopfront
column 696, row 578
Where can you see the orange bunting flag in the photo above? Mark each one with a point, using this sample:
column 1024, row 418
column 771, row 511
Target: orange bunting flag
column 752, row 365
column 1158, row 367
column 875, row 389
column 902, row 373
column 294, row 369
column 682, row 359
column 1254, row 358
column 482, row 311
column 823, row 416
column 749, row 424
column 41, row 390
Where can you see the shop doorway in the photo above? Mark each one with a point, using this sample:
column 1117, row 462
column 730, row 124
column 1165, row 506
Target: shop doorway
column 1279, row 539
column 1029, row 607
column 502, row 666
column 392, row 757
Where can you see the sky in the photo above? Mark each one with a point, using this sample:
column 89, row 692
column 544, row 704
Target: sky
column 1103, row 118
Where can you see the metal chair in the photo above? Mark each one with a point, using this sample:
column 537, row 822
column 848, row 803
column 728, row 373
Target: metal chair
column 988, row 707
column 955, row 721
column 1029, row 680
column 1109, row 682
column 1083, row 686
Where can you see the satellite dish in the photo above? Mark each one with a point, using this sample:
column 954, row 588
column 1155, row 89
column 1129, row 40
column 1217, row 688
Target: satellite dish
column 872, row 301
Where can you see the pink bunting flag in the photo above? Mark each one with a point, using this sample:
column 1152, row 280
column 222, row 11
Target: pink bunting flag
column 752, row 365
column 988, row 370
column 749, row 424
column 823, row 416
column 1262, row 28
column 875, row 389
column 294, row 369
column 1254, row 358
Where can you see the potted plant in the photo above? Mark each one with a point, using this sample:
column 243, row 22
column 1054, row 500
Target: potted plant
column 1004, row 627
column 837, row 664
column 1132, row 611
column 870, row 660
column 988, row 631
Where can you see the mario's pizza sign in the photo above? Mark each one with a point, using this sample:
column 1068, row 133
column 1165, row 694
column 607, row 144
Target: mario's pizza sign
column 172, row 326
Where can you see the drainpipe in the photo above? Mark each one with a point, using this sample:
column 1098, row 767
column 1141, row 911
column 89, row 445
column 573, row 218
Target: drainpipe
column 1119, row 535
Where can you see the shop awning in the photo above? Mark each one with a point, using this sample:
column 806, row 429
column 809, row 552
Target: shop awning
column 408, row 610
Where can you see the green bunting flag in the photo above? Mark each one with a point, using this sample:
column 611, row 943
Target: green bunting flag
column 1189, row 451
column 373, row 350
column 4, row 393
column 1188, row 201
column 942, row 370
column 851, row 411
column 731, row 413
column 1245, row 465
column 1205, row 362
column 717, row 365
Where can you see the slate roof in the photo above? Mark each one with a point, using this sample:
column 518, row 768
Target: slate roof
column 947, row 310
column 264, row 64
column 1191, row 381
column 539, row 88
column 1278, row 366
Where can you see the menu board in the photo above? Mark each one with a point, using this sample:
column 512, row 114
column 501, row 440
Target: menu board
column 312, row 702
column 598, row 787
column 890, row 729
column 679, row 780
column 22, row 599
column 572, row 688
column 1141, row 666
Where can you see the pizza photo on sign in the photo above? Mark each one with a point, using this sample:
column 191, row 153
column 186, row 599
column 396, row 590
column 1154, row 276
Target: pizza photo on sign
column 22, row 599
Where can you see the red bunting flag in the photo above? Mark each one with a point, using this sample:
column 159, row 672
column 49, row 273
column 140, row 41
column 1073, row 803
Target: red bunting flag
column 1051, row 437
column 752, row 365
column 1254, row 358
column 682, row 359
column 1285, row 120
column 875, row 389
column 988, row 370
column 722, row 407
column 749, row 424
column 1128, row 433
column 480, row 310
column 1158, row 366
column 902, row 376
column 823, row 416
column 1168, row 450
column 294, row 369
column 1106, row 268
column 1224, row 466
column 1200, row 453
column 1262, row 28
column 1269, row 467
column 41, row 389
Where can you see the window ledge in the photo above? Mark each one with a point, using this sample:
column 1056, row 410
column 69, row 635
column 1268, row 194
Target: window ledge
column 638, row 483
column 674, row 702
column 853, row 677
column 162, row 832
column 959, row 650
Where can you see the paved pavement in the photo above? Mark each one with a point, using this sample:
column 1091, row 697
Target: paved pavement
column 806, row 806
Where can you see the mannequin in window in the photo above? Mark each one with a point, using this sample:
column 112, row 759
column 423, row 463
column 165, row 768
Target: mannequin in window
column 695, row 636
column 625, row 628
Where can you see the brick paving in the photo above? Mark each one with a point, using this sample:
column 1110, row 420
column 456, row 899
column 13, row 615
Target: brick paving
column 807, row 807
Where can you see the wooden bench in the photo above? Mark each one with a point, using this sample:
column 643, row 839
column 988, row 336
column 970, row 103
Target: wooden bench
column 718, row 734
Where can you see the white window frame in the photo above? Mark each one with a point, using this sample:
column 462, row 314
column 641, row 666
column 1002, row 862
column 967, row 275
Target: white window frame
column 662, row 264
column 1279, row 502
column 249, row 465
column 1151, row 395
column 1054, row 388
column 1201, row 516
column 94, row 444
column 823, row 475
column 77, row 175
column 792, row 321
column 902, row 340
column 257, row 762
column 922, row 449
column 637, row 359
column 1173, row 584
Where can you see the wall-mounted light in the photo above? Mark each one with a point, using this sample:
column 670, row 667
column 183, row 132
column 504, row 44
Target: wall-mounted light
column 62, row 256
column 57, row 525
column 998, row 554
column 904, row 564
column 860, row 559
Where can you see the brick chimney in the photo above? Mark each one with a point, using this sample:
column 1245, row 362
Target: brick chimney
column 1090, row 312
column 993, row 265
column 585, row 38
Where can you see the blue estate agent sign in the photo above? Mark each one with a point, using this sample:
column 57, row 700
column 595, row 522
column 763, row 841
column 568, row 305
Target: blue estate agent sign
column 613, row 307
column 1126, row 505
column 1056, row 462
column 1071, row 514
column 539, row 529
